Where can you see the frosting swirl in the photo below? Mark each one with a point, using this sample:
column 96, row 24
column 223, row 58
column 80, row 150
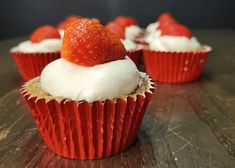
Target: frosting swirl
column 100, row 82
column 129, row 44
column 152, row 27
column 152, row 32
column 47, row 45
column 131, row 32
column 174, row 44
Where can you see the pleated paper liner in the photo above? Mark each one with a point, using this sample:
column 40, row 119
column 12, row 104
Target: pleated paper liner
column 175, row 67
column 135, row 55
column 30, row 65
column 82, row 130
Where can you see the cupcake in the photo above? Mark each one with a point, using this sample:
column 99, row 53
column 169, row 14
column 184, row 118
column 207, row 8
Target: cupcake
column 89, row 104
column 33, row 55
column 126, row 28
column 173, row 55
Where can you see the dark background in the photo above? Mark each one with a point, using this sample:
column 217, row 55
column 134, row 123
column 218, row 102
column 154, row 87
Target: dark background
column 20, row 17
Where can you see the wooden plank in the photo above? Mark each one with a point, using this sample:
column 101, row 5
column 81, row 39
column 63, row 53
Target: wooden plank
column 192, row 139
column 8, row 69
column 186, row 125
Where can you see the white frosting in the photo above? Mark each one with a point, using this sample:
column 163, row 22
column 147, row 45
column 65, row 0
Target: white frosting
column 152, row 27
column 131, row 32
column 47, row 45
column 151, row 36
column 174, row 43
column 129, row 44
column 152, row 32
column 100, row 82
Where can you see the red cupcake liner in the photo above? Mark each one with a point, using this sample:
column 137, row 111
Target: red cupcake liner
column 82, row 130
column 30, row 65
column 175, row 67
column 135, row 56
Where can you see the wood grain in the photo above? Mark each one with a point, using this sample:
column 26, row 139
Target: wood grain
column 186, row 125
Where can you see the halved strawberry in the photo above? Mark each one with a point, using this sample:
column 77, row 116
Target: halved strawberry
column 125, row 21
column 166, row 23
column 44, row 32
column 166, row 17
column 176, row 30
column 68, row 20
column 118, row 30
column 88, row 43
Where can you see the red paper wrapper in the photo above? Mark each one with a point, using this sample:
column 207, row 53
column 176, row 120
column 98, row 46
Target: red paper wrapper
column 30, row 65
column 175, row 67
column 135, row 56
column 82, row 130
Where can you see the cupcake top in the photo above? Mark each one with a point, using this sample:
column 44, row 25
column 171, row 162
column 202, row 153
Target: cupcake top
column 172, row 36
column 93, row 66
column 163, row 19
column 44, row 39
column 151, row 31
column 126, row 28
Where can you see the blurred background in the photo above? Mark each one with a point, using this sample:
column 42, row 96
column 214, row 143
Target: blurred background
column 21, row 17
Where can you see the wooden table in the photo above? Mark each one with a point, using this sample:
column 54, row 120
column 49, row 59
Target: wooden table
column 186, row 125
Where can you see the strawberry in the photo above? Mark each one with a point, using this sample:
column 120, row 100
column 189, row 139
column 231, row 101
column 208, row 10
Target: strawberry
column 44, row 32
column 176, row 29
column 165, row 17
column 68, row 20
column 125, row 21
column 118, row 30
column 166, row 23
column 88, row 43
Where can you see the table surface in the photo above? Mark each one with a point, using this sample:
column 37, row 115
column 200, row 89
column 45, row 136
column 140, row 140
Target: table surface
column 186, row 125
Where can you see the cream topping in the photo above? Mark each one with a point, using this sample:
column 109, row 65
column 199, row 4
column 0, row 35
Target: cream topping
column 131, row 32
column 47, row 45
column 104, row 81
column 174, row 43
